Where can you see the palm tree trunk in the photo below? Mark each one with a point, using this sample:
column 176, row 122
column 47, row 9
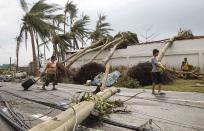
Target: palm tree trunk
column 65, row 16
column 38, row 48
column 55, row 51
column 103, row 48
column 44, row 55
column 165, row 48
column 112, row 52
column 17, row 62
column 105, row 77
column 35, row 65
column 82, row 51
column 67, row 119
column 17, row 54
column 76, row 43
column 82, row 54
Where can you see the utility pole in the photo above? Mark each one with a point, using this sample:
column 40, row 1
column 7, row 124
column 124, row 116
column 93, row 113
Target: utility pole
column 10, row 63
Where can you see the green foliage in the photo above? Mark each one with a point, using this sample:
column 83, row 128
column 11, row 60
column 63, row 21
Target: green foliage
column 182, row 86
column 77, row 26
column 37, row 22
column 102, row 29
column 103, row 107
column 184, row 34
column 130, row 36
column 127, row 82
column 71, row 8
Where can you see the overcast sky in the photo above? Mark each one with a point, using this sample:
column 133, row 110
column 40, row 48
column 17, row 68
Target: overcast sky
column 164, row 17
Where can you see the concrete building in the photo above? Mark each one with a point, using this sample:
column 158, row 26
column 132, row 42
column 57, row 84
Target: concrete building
column 193, row 49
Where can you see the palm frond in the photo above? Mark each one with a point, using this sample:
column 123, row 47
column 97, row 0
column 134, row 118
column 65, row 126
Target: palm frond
column 102, row 28
column 41, row 6
column 71, row 9
column 58, row 19
column 24, row 5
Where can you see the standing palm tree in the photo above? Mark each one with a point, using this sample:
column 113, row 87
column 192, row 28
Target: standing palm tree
column 37, row 20
column 18, row 40
column 77, row 27
column 79, row 30
column 61, row 43
column 102, row 29
column 72, row 10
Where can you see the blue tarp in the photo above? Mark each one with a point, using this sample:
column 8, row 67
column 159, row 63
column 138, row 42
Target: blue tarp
column 112, row 78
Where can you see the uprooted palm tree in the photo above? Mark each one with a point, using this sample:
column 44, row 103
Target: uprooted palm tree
column 86, row 70
column 102, row 29
column 37, row 19
column 123, row 38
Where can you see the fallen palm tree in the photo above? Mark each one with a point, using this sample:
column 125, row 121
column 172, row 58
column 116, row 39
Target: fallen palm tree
column 103, row 48
column 78, row 56
column 165, row 48
column 120, row 39
column 74, row 56
column 67, row 120
column 191, row 74
column 85, row 72
column 103, row 86
column 105, row 61
column 142, row 71
column 125, row 39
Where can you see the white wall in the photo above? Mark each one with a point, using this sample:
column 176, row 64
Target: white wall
column 192, row 49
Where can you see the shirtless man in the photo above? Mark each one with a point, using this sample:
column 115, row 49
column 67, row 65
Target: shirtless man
column 51, row 70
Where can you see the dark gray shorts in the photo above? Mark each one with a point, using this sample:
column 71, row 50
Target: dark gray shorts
column 157, row 77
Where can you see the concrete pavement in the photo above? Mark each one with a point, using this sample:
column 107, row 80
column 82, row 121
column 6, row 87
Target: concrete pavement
column 174, row 111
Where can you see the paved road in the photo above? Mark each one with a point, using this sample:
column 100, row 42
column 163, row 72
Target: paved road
column 174, row 111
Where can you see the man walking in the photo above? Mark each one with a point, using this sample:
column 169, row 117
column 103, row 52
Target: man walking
column 51, row 73
column 157, row 71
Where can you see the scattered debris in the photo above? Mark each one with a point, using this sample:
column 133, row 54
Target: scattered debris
column 88, row 72
column 127, row 82
column 198, row 85
column 112, row 78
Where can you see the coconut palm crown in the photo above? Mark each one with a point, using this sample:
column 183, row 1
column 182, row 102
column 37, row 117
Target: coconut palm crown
column 37, row 21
